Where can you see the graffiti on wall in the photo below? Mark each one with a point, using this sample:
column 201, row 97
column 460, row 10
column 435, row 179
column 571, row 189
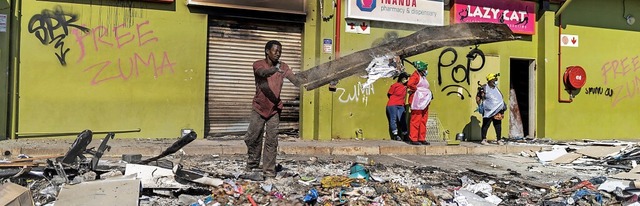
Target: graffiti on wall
column 124, row 51
column 129, row 64
column 459, row 73
column 53, row 27
column 599, row 91
column 622, row 75
column 359, row 94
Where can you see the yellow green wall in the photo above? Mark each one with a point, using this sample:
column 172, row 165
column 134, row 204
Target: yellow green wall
column 150, row 75
column 604, row 42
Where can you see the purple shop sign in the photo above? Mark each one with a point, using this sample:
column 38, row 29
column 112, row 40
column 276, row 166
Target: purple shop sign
column 520, row 16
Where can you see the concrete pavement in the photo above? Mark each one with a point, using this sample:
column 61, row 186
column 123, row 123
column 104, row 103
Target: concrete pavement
column 152, row 147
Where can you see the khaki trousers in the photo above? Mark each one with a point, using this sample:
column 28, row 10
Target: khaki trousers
column 254, row 141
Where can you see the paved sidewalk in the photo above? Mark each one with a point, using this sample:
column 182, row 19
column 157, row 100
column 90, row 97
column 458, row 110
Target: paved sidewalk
column 151, row 147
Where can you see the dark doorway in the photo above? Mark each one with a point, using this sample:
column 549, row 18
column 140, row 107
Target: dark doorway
column 521, row 71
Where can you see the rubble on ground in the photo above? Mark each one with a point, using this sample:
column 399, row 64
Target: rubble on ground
column 174, row 178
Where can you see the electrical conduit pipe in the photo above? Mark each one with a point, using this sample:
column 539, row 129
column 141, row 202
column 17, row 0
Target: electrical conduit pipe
column 338, row 28
column 559, row 16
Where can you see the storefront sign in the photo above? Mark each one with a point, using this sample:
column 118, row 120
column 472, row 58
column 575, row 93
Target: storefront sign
column 289, row 6
column 424, row 12
column 520, row 16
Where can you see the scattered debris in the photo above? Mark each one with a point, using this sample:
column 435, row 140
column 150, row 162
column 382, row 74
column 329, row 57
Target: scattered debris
column 153, row 177
column 611, row 178
column 551, row 155
column 103, row 192
column 15, row 195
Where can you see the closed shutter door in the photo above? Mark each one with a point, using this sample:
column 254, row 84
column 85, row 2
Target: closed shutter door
column 230, row 88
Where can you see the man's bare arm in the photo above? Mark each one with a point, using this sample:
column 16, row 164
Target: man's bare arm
column 266, row 72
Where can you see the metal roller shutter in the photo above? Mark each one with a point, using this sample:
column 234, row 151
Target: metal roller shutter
column 233, row 48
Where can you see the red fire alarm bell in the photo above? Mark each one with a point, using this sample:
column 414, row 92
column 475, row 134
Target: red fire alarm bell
column 575, row 77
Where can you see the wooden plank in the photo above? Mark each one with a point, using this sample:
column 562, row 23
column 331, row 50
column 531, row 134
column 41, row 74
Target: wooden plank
column 37, row 158
column 627, row 176
column 19, row 164
column 427, row 39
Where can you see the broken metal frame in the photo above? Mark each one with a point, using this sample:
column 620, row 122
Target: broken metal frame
column 75, row 160
column 176, row 146
column 98, row 153
column 427, row 39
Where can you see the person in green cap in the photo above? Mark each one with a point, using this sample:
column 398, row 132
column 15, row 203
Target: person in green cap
column 420, row 98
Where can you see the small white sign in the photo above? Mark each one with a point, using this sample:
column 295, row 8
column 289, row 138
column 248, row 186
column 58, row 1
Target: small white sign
column 327, row 46
column 358, row 26
column 569, row 40
column 351, row 26
column 3, row 23
column 364, row 27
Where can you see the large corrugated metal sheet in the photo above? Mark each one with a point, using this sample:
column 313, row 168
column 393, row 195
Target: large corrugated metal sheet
column 232, row 50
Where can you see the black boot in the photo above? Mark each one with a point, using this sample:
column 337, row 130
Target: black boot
column 414, row 143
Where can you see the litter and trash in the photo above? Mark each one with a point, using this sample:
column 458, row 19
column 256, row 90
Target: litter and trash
column 608, row 176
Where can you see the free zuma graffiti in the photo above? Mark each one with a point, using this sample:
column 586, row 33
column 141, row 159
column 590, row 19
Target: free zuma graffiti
column 621, row 74
column 53, row 26
column 122, row 39
column 459, row 73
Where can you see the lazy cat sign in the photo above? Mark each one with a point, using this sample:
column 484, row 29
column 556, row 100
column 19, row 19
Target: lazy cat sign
column 520, row 16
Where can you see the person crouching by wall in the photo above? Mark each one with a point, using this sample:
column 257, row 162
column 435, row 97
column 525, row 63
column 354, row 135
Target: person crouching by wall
column 420, row 98
column 396, row 113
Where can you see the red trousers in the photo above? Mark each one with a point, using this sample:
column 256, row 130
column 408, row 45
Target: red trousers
column 418, row 125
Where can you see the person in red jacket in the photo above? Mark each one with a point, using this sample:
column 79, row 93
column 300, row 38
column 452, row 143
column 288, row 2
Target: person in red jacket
column 420, row 99
column 395, row 108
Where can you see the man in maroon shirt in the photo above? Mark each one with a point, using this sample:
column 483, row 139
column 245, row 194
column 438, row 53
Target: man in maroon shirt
column 269, row 75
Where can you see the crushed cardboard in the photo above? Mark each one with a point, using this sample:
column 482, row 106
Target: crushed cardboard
column 599, row 152
column 12, row 194
column 566, row 158
column 123, row 192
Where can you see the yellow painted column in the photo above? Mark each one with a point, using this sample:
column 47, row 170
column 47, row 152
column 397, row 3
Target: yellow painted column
column 316, row 105
column 548, row 60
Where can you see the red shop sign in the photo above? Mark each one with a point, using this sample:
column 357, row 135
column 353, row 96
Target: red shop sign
column 519, row 15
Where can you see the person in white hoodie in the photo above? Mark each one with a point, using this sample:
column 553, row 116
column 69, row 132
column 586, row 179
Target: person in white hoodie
column 492, row 107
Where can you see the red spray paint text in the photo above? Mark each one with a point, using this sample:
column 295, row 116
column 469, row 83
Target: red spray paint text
column 122, row 39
